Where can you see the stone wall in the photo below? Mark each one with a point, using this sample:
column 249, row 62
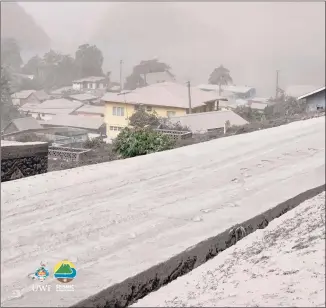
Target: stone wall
column 20, row 160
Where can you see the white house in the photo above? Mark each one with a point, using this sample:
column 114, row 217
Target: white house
column 315, row 100
column 24, row 97
column 89, row 83
column 158, row 77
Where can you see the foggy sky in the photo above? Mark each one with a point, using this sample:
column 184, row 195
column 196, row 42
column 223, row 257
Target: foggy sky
column 253, row 40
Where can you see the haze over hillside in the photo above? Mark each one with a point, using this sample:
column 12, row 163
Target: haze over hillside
column 252, row 40
column 17, row 24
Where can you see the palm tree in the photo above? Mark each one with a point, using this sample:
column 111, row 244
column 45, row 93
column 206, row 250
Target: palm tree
column 220, row 76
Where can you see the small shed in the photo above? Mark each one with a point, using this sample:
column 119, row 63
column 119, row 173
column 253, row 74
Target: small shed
column 22, row 124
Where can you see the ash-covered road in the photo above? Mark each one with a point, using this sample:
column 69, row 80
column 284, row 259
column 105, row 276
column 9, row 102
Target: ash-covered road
column 117, row 219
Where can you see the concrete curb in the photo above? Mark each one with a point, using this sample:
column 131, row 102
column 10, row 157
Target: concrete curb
column 134, row 288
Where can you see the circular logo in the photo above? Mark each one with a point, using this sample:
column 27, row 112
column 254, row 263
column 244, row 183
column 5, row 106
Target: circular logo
column 41, row 273
column 65, row 271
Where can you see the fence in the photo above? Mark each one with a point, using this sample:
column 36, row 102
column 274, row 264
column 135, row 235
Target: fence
column 175, row 134
column 67, row 154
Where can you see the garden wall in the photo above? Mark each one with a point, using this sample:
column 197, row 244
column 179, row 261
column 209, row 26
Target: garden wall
column 19, row 160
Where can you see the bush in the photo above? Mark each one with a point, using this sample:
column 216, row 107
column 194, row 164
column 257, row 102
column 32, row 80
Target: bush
column 249, row 114
column 285, row 108
column 141, row 141
column 94, row 143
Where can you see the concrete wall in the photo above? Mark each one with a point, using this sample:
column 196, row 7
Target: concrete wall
column 316, row 101
column 20, row 160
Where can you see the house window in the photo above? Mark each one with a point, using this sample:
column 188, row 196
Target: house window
column 170, row 113
column 118, row 111
column 115, row 128
column 149, row 108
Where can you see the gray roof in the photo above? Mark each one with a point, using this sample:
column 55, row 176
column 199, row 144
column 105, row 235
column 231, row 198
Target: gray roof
column 23, row 94
column 83, row 97
column 41, row 95
column 75, row 121
column 91, row 109
column 26, row 123
column 257, row 105
column 61, row 90
column 201, row 122
column 89, row 79
column 53, row 106
column 312, row 93
column 300, row 90
column 168, row 94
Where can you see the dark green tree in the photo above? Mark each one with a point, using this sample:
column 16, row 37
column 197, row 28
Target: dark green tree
column 10, row 54
column 52, row 70
column 7, row 109
column 89, row 60
column 133, row 142
column 32, row 66
column 137, row 79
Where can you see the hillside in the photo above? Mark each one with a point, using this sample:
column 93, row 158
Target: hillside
column 16, row 23
column 150, row 30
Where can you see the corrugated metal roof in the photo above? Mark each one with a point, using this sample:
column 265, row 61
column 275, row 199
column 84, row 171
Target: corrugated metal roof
column 83, row 97
column 75, row 121
column 89, row 79
column 227, row 88
column 201, row 122
column 91, row 109
column 53, row 106
column 167, row 94
column 23, row 94
column 26, row 123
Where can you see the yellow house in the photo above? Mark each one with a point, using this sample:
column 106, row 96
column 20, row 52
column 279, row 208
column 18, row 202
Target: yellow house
column 166, row 99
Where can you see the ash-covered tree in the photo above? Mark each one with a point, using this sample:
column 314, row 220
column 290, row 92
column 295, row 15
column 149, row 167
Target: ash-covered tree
column 10, row 54
column 220, row 76
column 141, row 118
column 137, row 80
column 249, row 114
column 89, row 60
column 32, row 66
column 284, row 107
column 52, row 70
column 7, row 109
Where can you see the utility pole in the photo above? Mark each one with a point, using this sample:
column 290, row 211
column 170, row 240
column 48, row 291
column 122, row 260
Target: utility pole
column 189, row 97
column 121, row 86
column 277, row 88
